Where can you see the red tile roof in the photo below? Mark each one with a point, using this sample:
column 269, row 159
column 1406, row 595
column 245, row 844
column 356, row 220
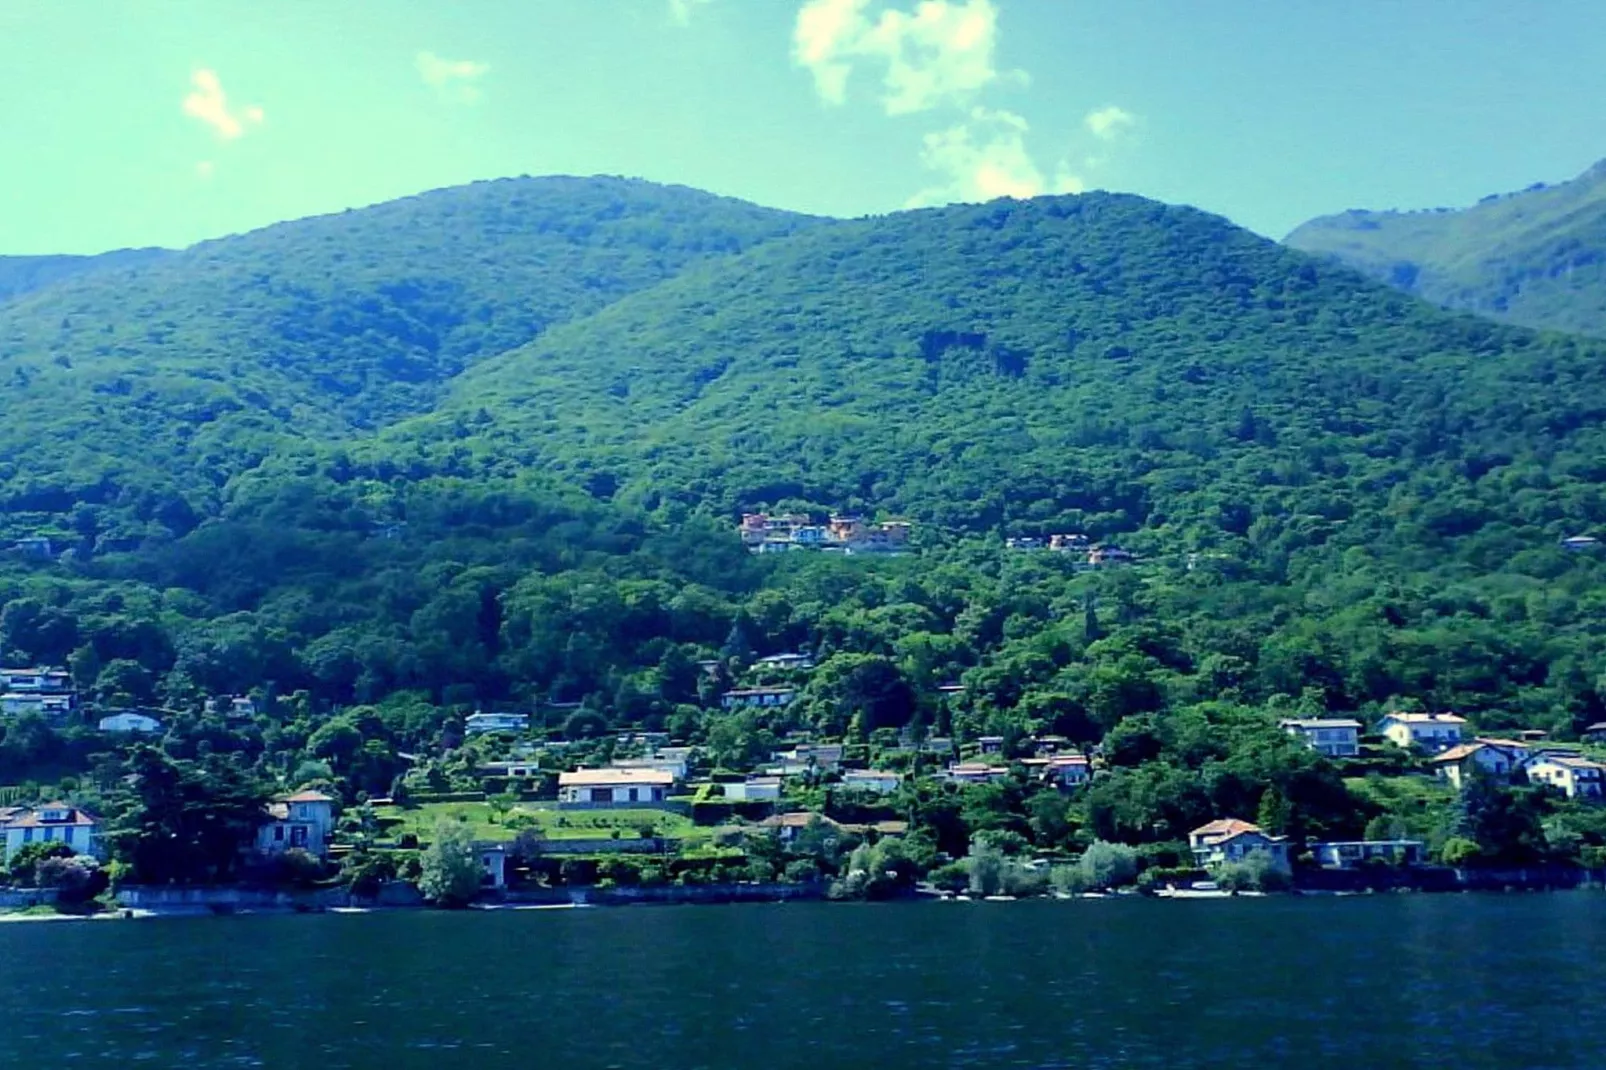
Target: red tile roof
column 307, row 797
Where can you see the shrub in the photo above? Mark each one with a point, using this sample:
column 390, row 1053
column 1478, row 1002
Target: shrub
column 1108, row 865
column 1459, row 851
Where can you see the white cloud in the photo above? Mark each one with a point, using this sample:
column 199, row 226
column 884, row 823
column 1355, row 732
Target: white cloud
column 1109, row 123
column 454, row 78
column 985, row 157
column 207, row 103
column 940, row 53
column 681, row 11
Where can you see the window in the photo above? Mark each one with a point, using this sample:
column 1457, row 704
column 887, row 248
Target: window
column 298, row 836
column 27, row 835
column 278, row 833
column 633, row 797
column 602, row 795
column 66, row 834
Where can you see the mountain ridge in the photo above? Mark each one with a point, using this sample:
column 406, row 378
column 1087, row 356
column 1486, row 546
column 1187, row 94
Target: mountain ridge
column 1536, row 257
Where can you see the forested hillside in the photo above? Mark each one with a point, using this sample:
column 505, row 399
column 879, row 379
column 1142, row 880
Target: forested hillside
column 1098, row 363
column 1536, row 258
column 1341, row 498
column 146, row 389
column 21, row 275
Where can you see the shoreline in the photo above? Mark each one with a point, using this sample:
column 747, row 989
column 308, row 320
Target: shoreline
column 201, row 908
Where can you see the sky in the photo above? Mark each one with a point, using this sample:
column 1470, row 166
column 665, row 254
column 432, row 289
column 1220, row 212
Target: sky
column 164, row 122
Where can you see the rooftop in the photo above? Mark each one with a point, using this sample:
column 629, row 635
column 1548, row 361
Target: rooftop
column 605, row 778
column 1224, row 828
column 308, row 796
column 1426, row 718
column 1320, row 722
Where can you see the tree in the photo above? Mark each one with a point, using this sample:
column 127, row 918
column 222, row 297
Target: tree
column 451, row 869
column 1108, row 865
column 185, row 822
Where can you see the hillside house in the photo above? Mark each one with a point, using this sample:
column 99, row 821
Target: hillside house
column 786, row 662
column 54, row 822
column 1349, row 854
column 302, row 821
column 614, row 787
column 753, row 789
column 976, row 773
column 757, row 696
column 1595, row 733
column 676, row 767
column 50, row 707
column 36, row 681
column 34, row 546
column 1575, row 543
column 240, row 708
column 1574, row 776
column 518, row 769
column 876, row 781
column 1494, row 758
column 479, row 723
column 129, row 721
column 1336, row 737
column 1067, row 770
column 1433, row 732
column 1231, row 840
column 991, row 744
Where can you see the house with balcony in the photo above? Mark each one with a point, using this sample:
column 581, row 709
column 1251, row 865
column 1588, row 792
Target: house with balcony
column 1433, row 732
column 54, row 822
column 1573, row 775
column 480, row 723
column 763, row 697
column 303, row 821
column 1336, row 737
column 1230, row 840
column 130, row 722
column 1494, row 758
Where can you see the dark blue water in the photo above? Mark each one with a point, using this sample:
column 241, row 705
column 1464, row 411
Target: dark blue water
column 1432, row 981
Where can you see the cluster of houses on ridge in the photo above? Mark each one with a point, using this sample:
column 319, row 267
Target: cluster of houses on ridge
column 1092, row 555
column 49, row 692
column 763, row 533
column 1456, row 759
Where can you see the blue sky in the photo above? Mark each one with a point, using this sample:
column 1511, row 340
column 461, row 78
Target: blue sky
column 126, row 123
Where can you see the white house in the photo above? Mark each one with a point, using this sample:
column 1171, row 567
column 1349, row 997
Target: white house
column 1231, row 840
column 479, row 723
column 753, row 789
column 976, row 773
column 302, row 821
column 878, row 781
column 518, row 769
column 1347, row 854
column 757, row 696
column 1573, row 775
column 789, row 662
column 129, row 721
column 1430, row 731
column 1493, row 758
column 674, row 766
column 53, row 707
column 54, row 822
column 1336, row 737
column 614, row 787
column 37, row 681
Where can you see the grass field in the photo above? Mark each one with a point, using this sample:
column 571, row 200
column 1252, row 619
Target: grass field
column 486, row 824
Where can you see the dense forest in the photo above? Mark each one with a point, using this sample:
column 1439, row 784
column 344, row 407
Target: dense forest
column 1535, row 257
column 486, row 449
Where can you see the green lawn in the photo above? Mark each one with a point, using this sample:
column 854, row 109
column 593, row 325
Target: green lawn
column 553, row 824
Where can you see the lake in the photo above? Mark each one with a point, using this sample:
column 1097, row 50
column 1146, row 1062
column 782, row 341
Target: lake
column 1411, row 980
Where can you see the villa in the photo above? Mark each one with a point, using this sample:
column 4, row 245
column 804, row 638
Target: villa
column 1431, row 731
column 878, row 781
column 1231, row 840
column 1574, row 776
column 479, row 723
column 1496, row 758
column 302, row 821
column 614, row 787
column 1347, row 854
column 54, row 822
column 1336, row 737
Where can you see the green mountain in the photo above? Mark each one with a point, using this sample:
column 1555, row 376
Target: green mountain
column 1099, row 363
column 21, row 275
column 161, row 381
column 1536, row 258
